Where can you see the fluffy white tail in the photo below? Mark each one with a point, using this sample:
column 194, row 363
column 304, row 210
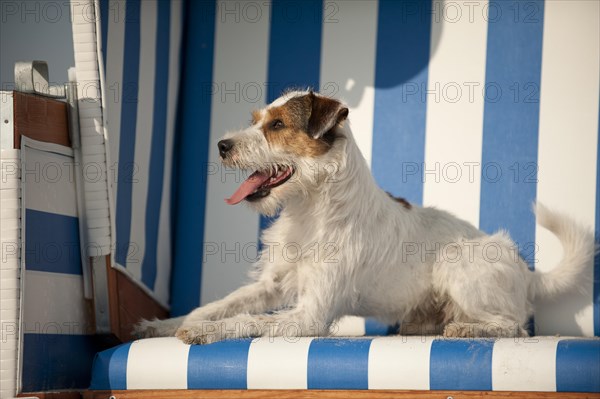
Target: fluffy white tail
column 579, row 249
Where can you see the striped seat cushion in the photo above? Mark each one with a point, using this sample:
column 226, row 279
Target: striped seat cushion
column 396, row 362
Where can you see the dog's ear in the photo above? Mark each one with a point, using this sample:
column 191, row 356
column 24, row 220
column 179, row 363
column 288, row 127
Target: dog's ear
column 325, row 114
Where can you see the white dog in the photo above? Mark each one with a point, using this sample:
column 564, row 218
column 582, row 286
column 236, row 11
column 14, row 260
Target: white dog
column 357, row 251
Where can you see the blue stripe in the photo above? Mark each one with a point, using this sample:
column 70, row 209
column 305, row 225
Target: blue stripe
column 52, row 243
column 511, row 121
column 461, row 365
column 193, row 133
column 596, row 298
column 59, row 361
column 375, row 327
column 222, row 365
column 578, row 366
column 177, row 144
column 174, row 163
column 104, row 16
column 294, row 25
column 157, row 150
column 110, row 368
column 403, row 40
column 338, row 364
column 129, row 102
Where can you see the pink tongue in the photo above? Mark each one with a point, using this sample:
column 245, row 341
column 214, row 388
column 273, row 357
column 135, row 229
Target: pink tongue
column 255, row 180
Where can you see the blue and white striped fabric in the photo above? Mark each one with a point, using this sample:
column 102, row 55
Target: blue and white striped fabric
column 57, row 321
column 420, row 363
column 140, row 43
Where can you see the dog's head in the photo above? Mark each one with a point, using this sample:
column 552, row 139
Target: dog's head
column 289, row 147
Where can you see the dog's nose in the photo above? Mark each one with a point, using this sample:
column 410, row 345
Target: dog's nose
column 224, row 147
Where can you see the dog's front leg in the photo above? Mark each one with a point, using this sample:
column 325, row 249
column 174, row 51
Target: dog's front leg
column 298, row 322
column 257, row 297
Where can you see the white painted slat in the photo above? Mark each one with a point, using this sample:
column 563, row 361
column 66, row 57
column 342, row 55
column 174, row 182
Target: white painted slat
column 455, row 102
column 235, row 40
column 348, row 63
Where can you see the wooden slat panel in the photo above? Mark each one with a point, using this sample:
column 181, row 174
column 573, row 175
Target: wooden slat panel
column 135, row 304
column 113, row 297
column 128, row 304
column 40, row 118
column 320, row 394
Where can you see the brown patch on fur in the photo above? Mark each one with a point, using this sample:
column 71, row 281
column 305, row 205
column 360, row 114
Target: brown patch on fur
column 297, row 116
column 402, row 201
column 326, row 114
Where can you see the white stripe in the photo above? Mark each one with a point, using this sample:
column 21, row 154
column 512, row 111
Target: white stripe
column 143, row 134
column 48, row 181
column 158, row 363
column 349, row 326
column 399, row 363
column 232, row 228
column 54, row 304
column 163, row 251
column 279, row 364
column 524, row 365
column 348, row 63
column 114, row 84
column 568, row 137
column 455, row 108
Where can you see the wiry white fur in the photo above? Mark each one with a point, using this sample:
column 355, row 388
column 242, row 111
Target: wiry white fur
column 355, row 250
column 577, row 242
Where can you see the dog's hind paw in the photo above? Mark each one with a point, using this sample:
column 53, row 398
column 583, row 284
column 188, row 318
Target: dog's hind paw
column 483, row 330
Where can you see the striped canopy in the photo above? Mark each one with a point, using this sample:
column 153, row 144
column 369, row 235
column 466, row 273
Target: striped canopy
column 479, row 108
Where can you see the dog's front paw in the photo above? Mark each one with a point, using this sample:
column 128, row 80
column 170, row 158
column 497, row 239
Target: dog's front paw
column 198, row 335
column 462, row 330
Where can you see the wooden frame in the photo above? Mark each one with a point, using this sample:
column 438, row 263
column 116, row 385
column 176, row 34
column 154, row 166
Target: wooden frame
column 327, row 394
column 307, row 394
column 52, row 395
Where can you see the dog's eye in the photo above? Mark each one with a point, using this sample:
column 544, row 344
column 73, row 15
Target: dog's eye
column 277, row 124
